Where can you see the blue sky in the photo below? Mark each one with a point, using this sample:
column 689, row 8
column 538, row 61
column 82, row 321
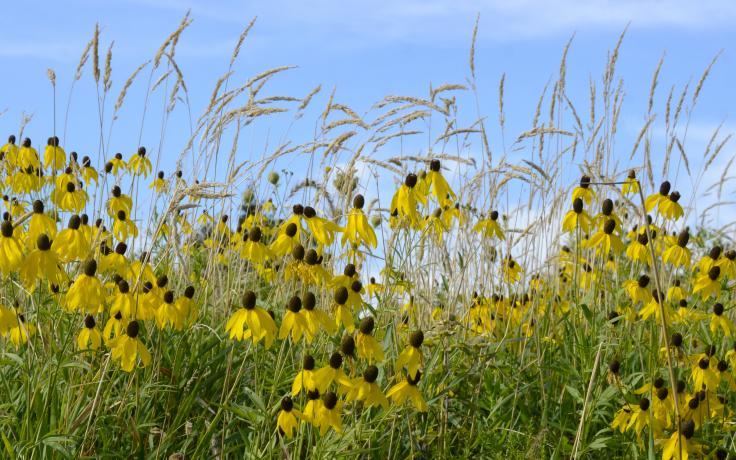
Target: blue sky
column 365, row 50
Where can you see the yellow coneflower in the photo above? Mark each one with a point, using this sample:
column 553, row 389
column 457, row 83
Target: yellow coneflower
column 605, row 240
column 304, row 378
column 709, row 283
column 127, row 348
column 438, row 185
column 294, row 323
column 368, row 347
column 85, row 294
column 411, row 356
column 11, row 251
column 407, row 389
column 576, row 218
column 631, row 184
column 366, row 389
column 669, row 208
column 489, row 227
column 89, row 337
column 39, row 224
column 323, row 377
column 358, row 230
column 139, row 164
column 54, row 156
column 719, row 321
column 678, row 254
column 28, row 156
column 637, row 289
column 679, row 445
column 654, row 200
column 405, row 200
column 71, row 244
column 328, row 415
column 259, row 322
column 583, row 190
column 287, row 419
column 41, row 263
column 123, row 227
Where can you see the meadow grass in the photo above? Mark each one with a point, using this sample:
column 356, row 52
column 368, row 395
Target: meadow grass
column 534, row 367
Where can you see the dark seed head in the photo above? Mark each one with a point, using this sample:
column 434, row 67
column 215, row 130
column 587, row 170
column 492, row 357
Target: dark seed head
column 162, row 281
column 416, row 339
column 693, row 403
column 609, row 226
column 710, row 350
column 658, row 382
column 585, row 182
column 123, row 287
column 313, row 394
column 718, row 309
column 311, row 257
column 347, row 346
column 642, row 238
column 255, row 234
column 704, row 363
column 358, row 201
column 367, row 324
column 336, row 360
column 676, row 339
column 90, row 267
column 664, row 189
column 308, row 363
column 189, row 292
column 329, row 400
column 675, row 197
column 43, row 242
column 411, row 180
column 415, row 380
column 27, row 142
column 722, row 366
column 249, row 300
column 169, row 297
column 74, row 222
column 290, row 230
column 89, row 322
column 38, row 207
column 309, row 212
column 643, row 281
column 714, row 273
column 349, row 270
column 434, row 165
column 577, row 205
column 680, row 386
column 357, row 286
column 494, row 215
column 715, row 252
column 614, row 366
column 341, row 295
column 120, row 248
column 370, row 374
column 295, row 304
column 644, row 404
column 662, row 393
column 310, row 301
column 298, row 252
column 607, row 207
column 132, row 329
column 121, row 215
column 287, row 404
column 160, row 175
